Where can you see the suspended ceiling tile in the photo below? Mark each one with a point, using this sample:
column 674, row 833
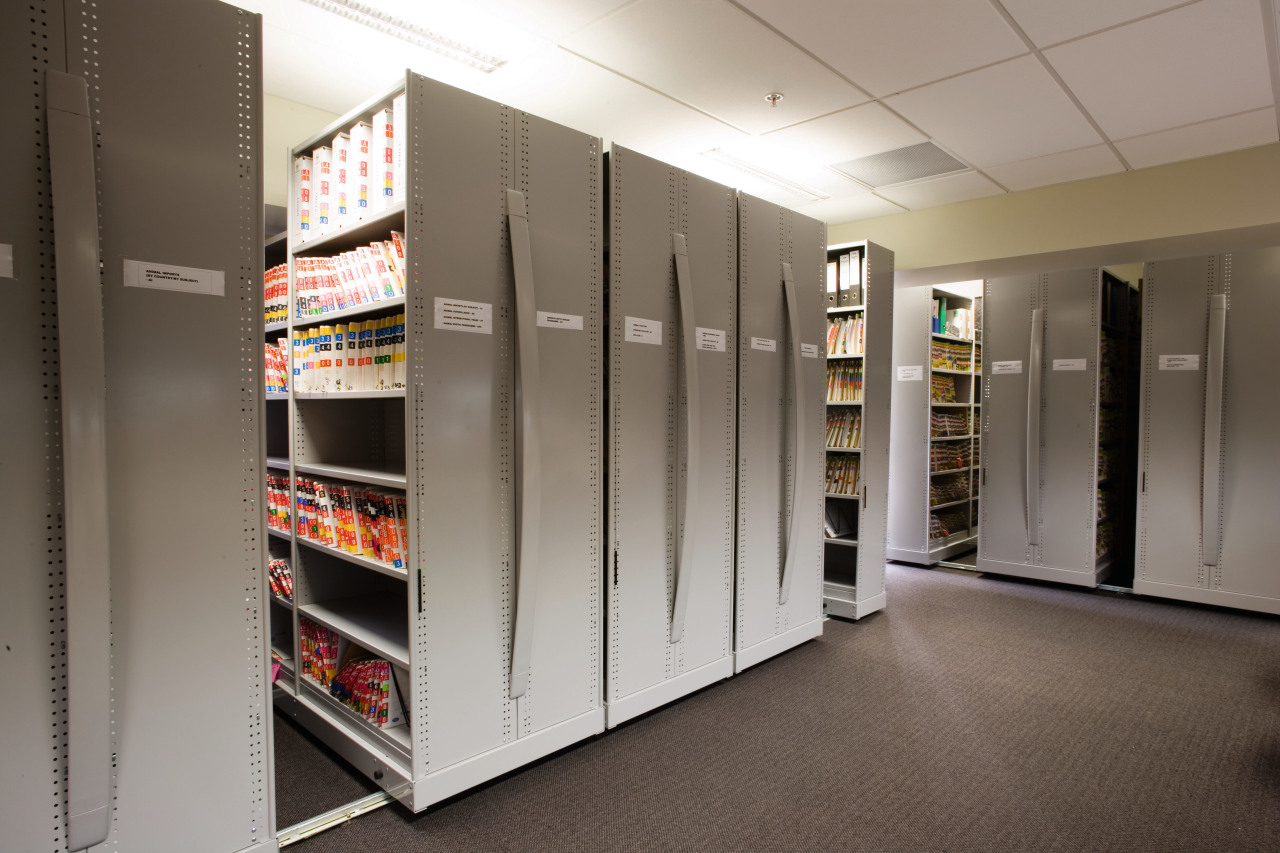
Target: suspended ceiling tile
column 1200, row 140
column 1050, row 23
column 849, row 209
column 1076, row 165
column 1199, row 62
column 711, row 55
column 938, row 191
column 886, row 46
column 572, row 91
column 848, row 134
column 1008, row 112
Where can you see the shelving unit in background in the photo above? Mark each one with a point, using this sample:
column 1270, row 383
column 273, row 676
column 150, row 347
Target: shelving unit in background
column 937, row 388
column 859, row 344
column 477, row 581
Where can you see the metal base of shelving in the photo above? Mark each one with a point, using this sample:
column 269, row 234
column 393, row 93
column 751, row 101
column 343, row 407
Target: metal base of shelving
column 1089, row 578
column 766, row 649
column 842, row 600
column 643, row 701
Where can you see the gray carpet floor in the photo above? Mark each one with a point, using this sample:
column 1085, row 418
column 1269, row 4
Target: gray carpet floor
column 975, row 714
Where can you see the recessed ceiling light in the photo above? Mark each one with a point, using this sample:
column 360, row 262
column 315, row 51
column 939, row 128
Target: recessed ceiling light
column 376, row 19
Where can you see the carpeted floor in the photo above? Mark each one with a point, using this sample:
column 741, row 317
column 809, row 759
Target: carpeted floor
column 976, row 714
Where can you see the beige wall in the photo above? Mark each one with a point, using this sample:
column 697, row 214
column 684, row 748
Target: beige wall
column 1212, row 194
column 284, row 124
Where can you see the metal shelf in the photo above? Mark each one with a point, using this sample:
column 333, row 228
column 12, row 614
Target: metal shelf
column 358, row 232
column 358, row 560
column 377, row 623
column 379, row 307
column 391, row 393
column 354, row 474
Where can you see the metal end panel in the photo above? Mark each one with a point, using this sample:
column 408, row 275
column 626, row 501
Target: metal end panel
column 32, row 609
column 196, row 411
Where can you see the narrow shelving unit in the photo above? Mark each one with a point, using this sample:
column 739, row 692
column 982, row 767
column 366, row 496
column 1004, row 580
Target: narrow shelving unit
column 937, row 399
column 860, row 308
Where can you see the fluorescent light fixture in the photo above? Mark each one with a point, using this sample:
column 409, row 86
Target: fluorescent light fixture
column 769, row 176
column 376, row 19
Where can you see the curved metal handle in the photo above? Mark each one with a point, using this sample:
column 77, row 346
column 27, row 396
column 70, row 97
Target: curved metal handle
column 1211, row 482
column 692, row 432
column 84, row 458
column 1034, row 363
column 529, row 443
column 798, row 428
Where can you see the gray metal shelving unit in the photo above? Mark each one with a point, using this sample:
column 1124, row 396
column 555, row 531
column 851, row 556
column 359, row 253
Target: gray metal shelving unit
column 1041, row 475
column 497, row 618
column 134, row 605
column 926, row 524
column 672, row 388
column 1206, row 525
column 781, row 422
column 853, row 562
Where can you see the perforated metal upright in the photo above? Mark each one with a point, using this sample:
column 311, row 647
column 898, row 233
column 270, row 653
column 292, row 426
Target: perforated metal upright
column 498, row 616
column 1206, row 528
column 1040, row 420
column 781, row 381
column 673, row 256
column 137, row 716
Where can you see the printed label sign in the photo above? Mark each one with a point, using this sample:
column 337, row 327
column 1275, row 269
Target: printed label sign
column 1070, row 364
column 810, row 351
column 1180, row 362
column 1000, row 367
column 641, row 331
column 182, row 279
column 459, row 315
column 911, row 373
column 6, row 260
column 712, row 340
column 559, row 321
column 765, row 344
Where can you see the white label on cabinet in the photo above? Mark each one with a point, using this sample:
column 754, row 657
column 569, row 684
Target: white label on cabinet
column 911, row 373
column 182, row 279
column 1180, row 362
column 559, row 321
column 766, row 344
column 6, row 260
column 1000, row 367
column 642, row 331
column 459, row 315
column 712, row 340
column 1070, row 364
column 810, row 351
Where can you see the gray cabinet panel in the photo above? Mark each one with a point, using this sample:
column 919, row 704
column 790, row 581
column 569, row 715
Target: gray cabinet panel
column 1007, row 303
column 770, row 235
column 651, row 201
column 32, row 608
column 1175, row 316
column 1173, row 556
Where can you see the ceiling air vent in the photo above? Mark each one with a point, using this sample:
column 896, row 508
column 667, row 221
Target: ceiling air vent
column 901, row 165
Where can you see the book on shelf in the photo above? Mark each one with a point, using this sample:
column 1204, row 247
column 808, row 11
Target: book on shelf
column 280, row 578
column 846, row 334
column 358, row 520
column 842, row 474
column 844, row 382
column 844, row 428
